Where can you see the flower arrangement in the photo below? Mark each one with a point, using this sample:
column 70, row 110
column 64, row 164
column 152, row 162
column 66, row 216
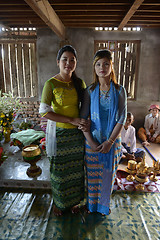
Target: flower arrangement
column 6, row 119
column 9, row 105
column 16, row 142
column 43, row 144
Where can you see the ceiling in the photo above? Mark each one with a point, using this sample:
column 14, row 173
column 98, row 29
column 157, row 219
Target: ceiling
column 61, row 14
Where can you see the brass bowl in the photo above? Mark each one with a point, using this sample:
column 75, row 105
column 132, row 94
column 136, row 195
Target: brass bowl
column 31, row 154
column 132, row 164
column 31, row 151
column 141, row 179
column 130, row 171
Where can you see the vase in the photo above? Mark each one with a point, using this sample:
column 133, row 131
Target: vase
column 6, row 134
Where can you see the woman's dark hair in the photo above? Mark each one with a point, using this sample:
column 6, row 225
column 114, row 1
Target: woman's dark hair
column 66, row 48
column 103, row 53
column 78, row 84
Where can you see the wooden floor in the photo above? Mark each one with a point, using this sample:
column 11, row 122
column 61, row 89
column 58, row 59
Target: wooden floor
column 152, row 153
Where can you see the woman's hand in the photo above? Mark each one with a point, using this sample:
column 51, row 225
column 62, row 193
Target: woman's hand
column 104, row 147
column 75, row 121
column 84, row 125
column 94, row 146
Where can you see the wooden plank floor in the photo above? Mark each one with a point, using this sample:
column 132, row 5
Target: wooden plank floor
column 154, row 149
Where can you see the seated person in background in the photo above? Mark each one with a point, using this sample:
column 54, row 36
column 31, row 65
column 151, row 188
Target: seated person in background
column 128, row 138
column 151, row 130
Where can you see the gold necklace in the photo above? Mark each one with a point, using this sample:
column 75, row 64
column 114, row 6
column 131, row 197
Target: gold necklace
column 105, row 91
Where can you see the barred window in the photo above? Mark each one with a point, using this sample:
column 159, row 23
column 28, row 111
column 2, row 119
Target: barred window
column 125, row 56
column 18, row 67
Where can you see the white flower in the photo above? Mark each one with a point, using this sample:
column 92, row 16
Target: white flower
column 8, row 103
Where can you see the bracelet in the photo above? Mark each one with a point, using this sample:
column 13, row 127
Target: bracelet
column 110, row 140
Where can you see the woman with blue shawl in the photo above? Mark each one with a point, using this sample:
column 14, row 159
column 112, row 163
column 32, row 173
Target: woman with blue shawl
column 106, row 106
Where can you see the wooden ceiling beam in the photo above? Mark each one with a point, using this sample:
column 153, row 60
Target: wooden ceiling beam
column 44, row 10
column 90, row 4
column 92, row 25
column 130, row 13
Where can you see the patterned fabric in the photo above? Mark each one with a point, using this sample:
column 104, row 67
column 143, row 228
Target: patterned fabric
column 62, row 96
column 100, row 181
column 67, row 168
column 121, row 184
column 106, row 110
column 101, row 168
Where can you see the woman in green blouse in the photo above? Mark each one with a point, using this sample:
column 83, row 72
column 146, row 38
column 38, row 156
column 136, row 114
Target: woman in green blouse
column 60, row 103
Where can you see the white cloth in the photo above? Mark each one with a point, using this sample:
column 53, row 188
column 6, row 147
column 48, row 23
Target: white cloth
column 149, row 120
column 51, row 146
column 129, row 137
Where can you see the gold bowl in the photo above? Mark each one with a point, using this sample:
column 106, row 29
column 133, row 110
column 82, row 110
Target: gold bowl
column 132, row 164
column 141, row 178
column 31, row 154
column 31, row 151
column 130, row 171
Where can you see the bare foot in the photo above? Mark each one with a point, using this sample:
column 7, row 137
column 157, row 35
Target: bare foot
column 86, row 209
column 56, row 211
column 145, row 143
column 75, row 209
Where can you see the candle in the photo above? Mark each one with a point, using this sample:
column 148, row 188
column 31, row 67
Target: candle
column 132, row 164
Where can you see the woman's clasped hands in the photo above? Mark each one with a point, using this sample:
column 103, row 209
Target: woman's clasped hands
column 84, row 125
column 104, row 147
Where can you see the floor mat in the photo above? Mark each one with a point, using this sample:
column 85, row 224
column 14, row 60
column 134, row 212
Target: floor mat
column 25, row 216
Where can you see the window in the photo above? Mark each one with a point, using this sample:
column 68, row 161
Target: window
column 125, row 56
column 18, row 66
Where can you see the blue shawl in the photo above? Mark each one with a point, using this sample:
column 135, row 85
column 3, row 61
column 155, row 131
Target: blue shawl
column 96, row 127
